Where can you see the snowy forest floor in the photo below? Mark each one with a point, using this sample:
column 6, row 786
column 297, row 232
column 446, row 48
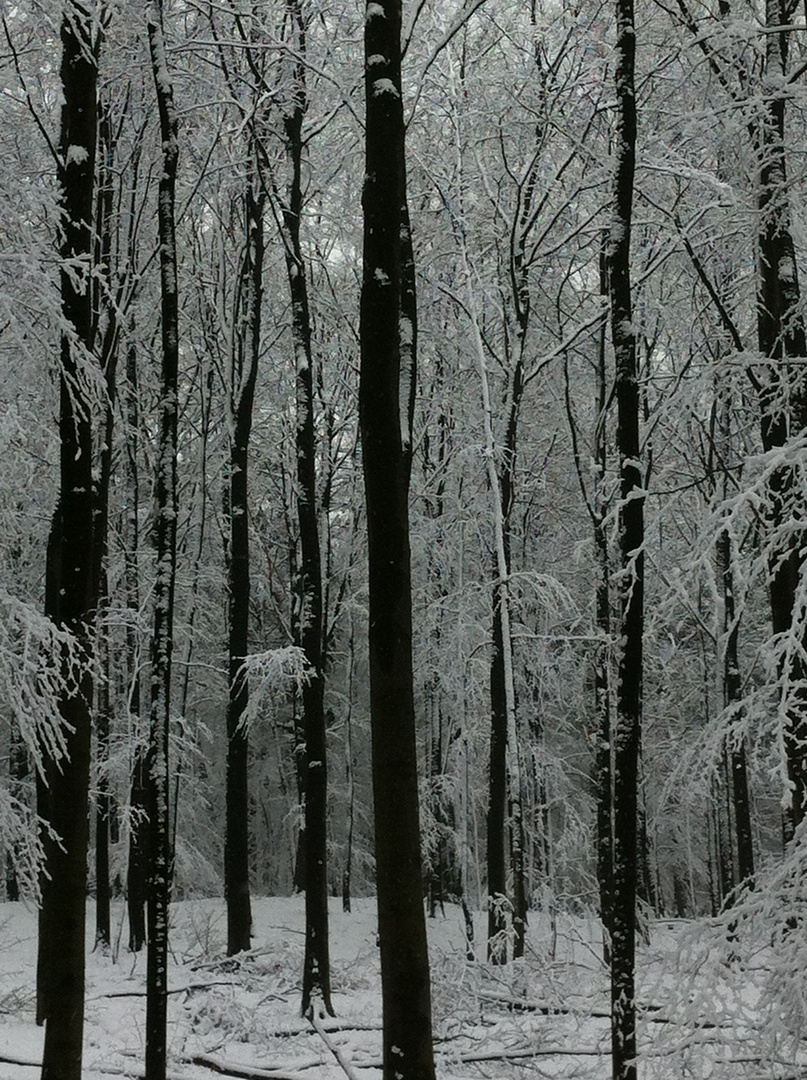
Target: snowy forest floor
column 702, row 1015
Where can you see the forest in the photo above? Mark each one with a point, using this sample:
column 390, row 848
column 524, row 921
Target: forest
column 403, row 526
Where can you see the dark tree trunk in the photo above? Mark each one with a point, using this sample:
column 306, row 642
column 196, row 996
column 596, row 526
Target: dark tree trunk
column 732, row 695
column 386, row 399
column 103, row 800
column 244, row 374
column 502, row 694
column 316, row 964
column 158, row 776
column 631, row 548
column 444, row 878
column 137, row 863
column 105, row 339
column 349, row 776
column 603, row 770
column 497, row 798
column 71, row 586
column 505, row 775
column 783, row 398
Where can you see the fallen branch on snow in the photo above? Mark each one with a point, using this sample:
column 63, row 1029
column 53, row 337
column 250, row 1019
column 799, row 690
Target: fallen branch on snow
column 26, row 1063
column 316, row 1024
column 172, row 990
column 243, row 1072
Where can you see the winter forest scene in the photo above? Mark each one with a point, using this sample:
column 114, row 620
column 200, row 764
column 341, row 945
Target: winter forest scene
column 403, row 531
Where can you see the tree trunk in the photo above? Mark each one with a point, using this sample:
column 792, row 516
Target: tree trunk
column 71, row 586
column 137, row 872
column 165, row 538
column 732, row 695
column 504, row 780
column 783, row 399
column 603, row 766
column 386, row 399
column 137, row 864
column 243, row 376
column 631, row 548
column 349, row 774
column 316, row 965
column 497, row 797
column 103, row 800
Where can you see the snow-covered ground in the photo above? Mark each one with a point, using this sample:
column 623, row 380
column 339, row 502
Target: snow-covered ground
column 546, row 1016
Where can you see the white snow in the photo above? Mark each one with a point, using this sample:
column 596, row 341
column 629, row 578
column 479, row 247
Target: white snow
column 384, row 86
column 245, row 1012
column 76, row 155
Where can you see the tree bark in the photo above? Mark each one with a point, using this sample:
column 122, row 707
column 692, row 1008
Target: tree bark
column 386, row 398
column 603, row 767
column 243, row 377
column 316, row 964
column 631, row 548
column 732, row 696
column 782, row 338
column 137, row 863
column 72, row 589
column 497, row 796
column 158, row 774
column 103, row 798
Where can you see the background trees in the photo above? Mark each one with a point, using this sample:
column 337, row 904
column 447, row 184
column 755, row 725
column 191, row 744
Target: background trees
column 512, row 143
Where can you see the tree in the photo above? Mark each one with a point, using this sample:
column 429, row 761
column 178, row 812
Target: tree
column 157, row 765
column 243, row 374
column 597, row 505
column 137, row 862
column 386, row 398
column 72, row 585
column 783, row 398
column 316, row 965
column 631, row 549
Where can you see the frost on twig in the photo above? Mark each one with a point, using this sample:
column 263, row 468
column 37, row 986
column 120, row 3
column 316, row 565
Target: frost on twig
column 38, row 665
column 19, row 834
column 269, row 672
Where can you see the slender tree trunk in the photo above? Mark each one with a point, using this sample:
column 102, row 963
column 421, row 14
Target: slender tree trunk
column 72, row 589
column 244, row 374
column 603, row 766
column 103, row 800
column 784, row 400
column 497, row 796
column 137, row 865
column 386, row 400
column 504, row 781
column 105, row 334
column 631, row 547
column 316, row 965
column 349, row 774
column 166, row 537
column 732, row 695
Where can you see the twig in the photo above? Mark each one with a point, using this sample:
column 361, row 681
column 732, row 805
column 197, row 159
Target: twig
column 27, row 1063
column 172, row 990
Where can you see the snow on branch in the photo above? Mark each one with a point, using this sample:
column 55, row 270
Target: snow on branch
column 38, row 665
column 19, row 834
column 268, row 672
